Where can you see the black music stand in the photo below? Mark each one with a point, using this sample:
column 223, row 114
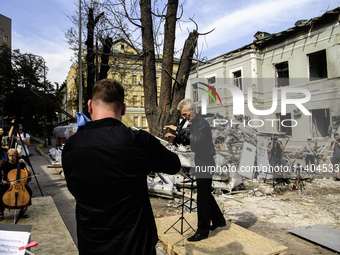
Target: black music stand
column 182, row 219
column 299, row 181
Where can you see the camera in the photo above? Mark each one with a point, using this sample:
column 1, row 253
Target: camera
column 15, row 121
column 338, row 140
column 275, row 137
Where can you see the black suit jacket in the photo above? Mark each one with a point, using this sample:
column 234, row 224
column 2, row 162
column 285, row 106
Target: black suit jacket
column 106, row 165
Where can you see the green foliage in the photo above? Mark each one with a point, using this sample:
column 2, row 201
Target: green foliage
column 19, row 75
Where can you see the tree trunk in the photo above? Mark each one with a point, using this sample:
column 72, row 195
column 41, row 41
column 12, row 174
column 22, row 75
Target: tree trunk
column 104, row 64
column 91, row 23
column 165, row 99
column 166, row 112
column 149, row 68
column 182, row 76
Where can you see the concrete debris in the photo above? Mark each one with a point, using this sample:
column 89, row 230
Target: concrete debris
column 237, row 147
column 161, row 186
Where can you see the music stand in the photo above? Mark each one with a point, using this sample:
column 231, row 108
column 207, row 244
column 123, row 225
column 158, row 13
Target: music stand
column 182, row 219
column 191, row 180
column 299, row 181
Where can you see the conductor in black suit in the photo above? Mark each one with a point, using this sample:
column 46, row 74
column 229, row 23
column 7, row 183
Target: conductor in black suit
column 201, row 144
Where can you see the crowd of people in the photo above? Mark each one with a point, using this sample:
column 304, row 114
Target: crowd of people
column 311, row 157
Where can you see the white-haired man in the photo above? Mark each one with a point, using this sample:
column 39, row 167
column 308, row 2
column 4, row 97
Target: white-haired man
column 201, row 144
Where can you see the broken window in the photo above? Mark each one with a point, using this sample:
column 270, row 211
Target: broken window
column 238, row 79
column 194, row 93
column 282, row 74
column 320, row 122
column 211, row 81
column 285, row 125
column 317, row 65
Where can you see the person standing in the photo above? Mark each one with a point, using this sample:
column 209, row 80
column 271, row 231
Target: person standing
column 335, row 147
column 106, row 166
column 200, row 138
column 4, row 144
column 275, row 159
column 310, row 154
column 23, row 141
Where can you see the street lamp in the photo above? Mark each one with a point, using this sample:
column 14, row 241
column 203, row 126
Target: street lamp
column 80, row 64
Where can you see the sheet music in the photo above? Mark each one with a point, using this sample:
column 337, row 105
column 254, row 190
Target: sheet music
column 11, row 241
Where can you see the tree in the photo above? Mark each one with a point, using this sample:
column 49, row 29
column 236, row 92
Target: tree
column 92, row 21
column 21, row 73
column 142, row 26
column 104, row 63
column 171, row 93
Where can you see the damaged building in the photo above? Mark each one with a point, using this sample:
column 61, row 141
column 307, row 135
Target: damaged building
column 287, row 82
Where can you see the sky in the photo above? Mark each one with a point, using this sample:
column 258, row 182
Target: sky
column 38, row 26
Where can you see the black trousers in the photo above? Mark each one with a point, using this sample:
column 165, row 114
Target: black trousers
column 207, row 208
column 310, row 159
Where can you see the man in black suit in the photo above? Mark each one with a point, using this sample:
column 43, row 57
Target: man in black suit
column 106, row 166
column 201, row 144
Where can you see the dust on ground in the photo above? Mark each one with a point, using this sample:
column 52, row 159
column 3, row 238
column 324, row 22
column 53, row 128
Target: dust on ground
column 272, row 212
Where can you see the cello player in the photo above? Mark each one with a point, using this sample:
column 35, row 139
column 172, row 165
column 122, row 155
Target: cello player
column 13, row 160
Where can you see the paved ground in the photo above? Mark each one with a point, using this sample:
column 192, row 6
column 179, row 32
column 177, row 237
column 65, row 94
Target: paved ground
column 49, row 182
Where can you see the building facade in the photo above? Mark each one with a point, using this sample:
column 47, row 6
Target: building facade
column 5, row 31
column 125, row 66
column 288, row 82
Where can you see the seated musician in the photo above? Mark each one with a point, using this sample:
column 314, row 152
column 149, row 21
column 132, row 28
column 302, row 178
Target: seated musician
column 13, row 159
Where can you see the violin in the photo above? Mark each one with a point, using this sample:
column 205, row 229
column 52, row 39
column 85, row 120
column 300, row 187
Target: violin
column 17, row 196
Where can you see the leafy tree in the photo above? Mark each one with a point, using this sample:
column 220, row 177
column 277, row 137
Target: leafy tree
column 22, row 74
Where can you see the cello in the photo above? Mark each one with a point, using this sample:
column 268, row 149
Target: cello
column 17, row 196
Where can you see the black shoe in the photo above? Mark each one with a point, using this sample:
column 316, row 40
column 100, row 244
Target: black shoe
column 214, row 226
column 286, row 182
column 198, row 236
column 337, row 179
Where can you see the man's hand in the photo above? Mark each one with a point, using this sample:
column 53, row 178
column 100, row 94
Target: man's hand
column 172, row 127
column 170, row 136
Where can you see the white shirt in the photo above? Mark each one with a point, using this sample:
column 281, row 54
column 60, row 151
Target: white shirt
column 19, row 144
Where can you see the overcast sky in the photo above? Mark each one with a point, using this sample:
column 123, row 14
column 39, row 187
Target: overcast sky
column 38, row 26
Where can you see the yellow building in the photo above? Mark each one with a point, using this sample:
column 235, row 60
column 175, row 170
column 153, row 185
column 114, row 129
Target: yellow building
column 126, row 67
column 70, row 91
